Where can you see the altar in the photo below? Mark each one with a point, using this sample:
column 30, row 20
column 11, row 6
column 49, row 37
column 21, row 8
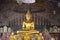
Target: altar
column 28, row 31
column 26, row 34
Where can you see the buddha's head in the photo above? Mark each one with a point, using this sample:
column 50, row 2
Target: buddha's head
column 28, row 15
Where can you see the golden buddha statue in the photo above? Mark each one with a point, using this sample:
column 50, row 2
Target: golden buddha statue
column 41, row 37
column 12, row 37
column 28, row 29
column 28, row 24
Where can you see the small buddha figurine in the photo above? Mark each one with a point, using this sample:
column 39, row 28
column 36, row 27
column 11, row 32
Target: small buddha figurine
column 12, row 36
column 41, row 37
column 28, row 24
column 5, row 28
column 55, row 29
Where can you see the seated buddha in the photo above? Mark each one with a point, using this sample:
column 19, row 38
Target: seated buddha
column 28, row 24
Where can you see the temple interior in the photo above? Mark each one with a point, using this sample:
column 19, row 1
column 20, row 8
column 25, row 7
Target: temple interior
column 29, row 19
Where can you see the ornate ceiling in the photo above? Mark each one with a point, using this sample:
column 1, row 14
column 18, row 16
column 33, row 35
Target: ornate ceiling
column 10, row 8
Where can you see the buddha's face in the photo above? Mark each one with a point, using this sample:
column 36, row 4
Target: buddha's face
column 28, row 17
